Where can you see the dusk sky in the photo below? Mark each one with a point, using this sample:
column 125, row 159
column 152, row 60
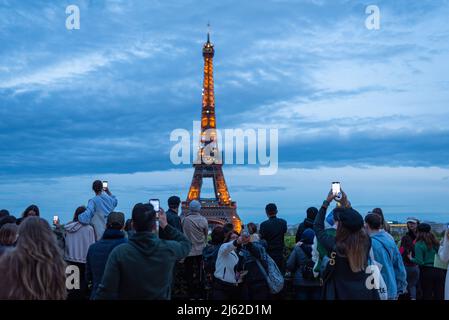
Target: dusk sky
column 369, row 108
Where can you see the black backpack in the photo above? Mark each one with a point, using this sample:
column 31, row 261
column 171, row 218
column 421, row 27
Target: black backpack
column 307, row 268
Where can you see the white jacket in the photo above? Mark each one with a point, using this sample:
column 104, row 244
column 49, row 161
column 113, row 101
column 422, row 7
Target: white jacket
column 444, row 256
column 227, row 259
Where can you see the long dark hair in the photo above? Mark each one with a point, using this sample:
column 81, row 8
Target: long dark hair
column 428, row 238
column 78, row 211
column 217, row 235
column 384, row 224
column 34, row 208
column 354, row 246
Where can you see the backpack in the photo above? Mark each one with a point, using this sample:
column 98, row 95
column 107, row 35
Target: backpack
column 274, row 277
column 308, row 267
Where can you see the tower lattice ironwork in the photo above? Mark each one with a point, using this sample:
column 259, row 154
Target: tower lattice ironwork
column 220, row 209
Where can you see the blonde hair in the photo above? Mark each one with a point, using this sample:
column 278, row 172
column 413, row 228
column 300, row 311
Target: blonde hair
column 35, row 270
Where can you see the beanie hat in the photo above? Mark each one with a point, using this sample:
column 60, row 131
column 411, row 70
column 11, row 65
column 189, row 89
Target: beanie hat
column 307, row 236
column 195, row 206
column 350, row 219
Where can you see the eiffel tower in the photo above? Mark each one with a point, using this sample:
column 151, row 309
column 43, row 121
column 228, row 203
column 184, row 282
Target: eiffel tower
column 220, row 209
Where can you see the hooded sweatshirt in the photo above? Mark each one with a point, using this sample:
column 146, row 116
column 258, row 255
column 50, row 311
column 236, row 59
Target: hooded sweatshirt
column 307, row 224
column 143, row 268
column 97, row 212
column 392, row 270
column 78, row 238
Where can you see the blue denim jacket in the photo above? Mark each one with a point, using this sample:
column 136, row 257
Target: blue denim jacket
column 393, row 270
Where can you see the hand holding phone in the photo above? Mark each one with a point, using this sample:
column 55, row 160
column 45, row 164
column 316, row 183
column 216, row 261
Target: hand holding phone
column 336, row 191
column 336, row 188
column 162, row 218
column 156, row 205
column 105, row 185
column 55, row 220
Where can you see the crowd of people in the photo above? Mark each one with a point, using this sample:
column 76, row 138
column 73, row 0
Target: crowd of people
column 338, row 255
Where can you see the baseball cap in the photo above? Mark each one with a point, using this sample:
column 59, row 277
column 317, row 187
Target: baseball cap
column 116, row 218
column 412, row 220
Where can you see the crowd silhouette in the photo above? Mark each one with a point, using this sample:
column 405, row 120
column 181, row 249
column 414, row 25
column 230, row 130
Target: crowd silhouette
column 338, row 255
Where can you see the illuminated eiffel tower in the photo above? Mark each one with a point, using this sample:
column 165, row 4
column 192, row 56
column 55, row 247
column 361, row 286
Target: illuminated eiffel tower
column 220, row 209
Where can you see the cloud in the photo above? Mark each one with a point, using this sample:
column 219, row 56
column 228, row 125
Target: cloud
column 105, row 98
column 63, row 73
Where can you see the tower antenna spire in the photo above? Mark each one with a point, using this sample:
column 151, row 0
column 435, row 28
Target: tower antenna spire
column 208, row 31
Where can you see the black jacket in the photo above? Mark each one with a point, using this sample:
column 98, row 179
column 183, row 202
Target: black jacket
column 172, row 219
column 343, row 284
column 273, row 231
column 98, row 254
column 306, row 224
column 251, row 252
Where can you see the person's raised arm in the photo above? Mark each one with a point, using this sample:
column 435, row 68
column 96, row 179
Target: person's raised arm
column 114, row 199
column 228, row 247
column 181, row 247
column 87, row 215
column 327, row 241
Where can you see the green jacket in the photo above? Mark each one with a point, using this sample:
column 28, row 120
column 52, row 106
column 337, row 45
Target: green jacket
column 143, row 267
column 424, row 256
column 322, row 252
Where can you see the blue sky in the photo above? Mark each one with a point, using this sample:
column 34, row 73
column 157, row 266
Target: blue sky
column 367, row 107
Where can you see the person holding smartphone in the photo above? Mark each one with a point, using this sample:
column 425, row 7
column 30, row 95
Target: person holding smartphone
column 345, row 275
column 142, row 268
column 227, row 283
column 173, row 218
column 98, row 208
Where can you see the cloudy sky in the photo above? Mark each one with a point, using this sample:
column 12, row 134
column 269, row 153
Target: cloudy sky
column 367, row 107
